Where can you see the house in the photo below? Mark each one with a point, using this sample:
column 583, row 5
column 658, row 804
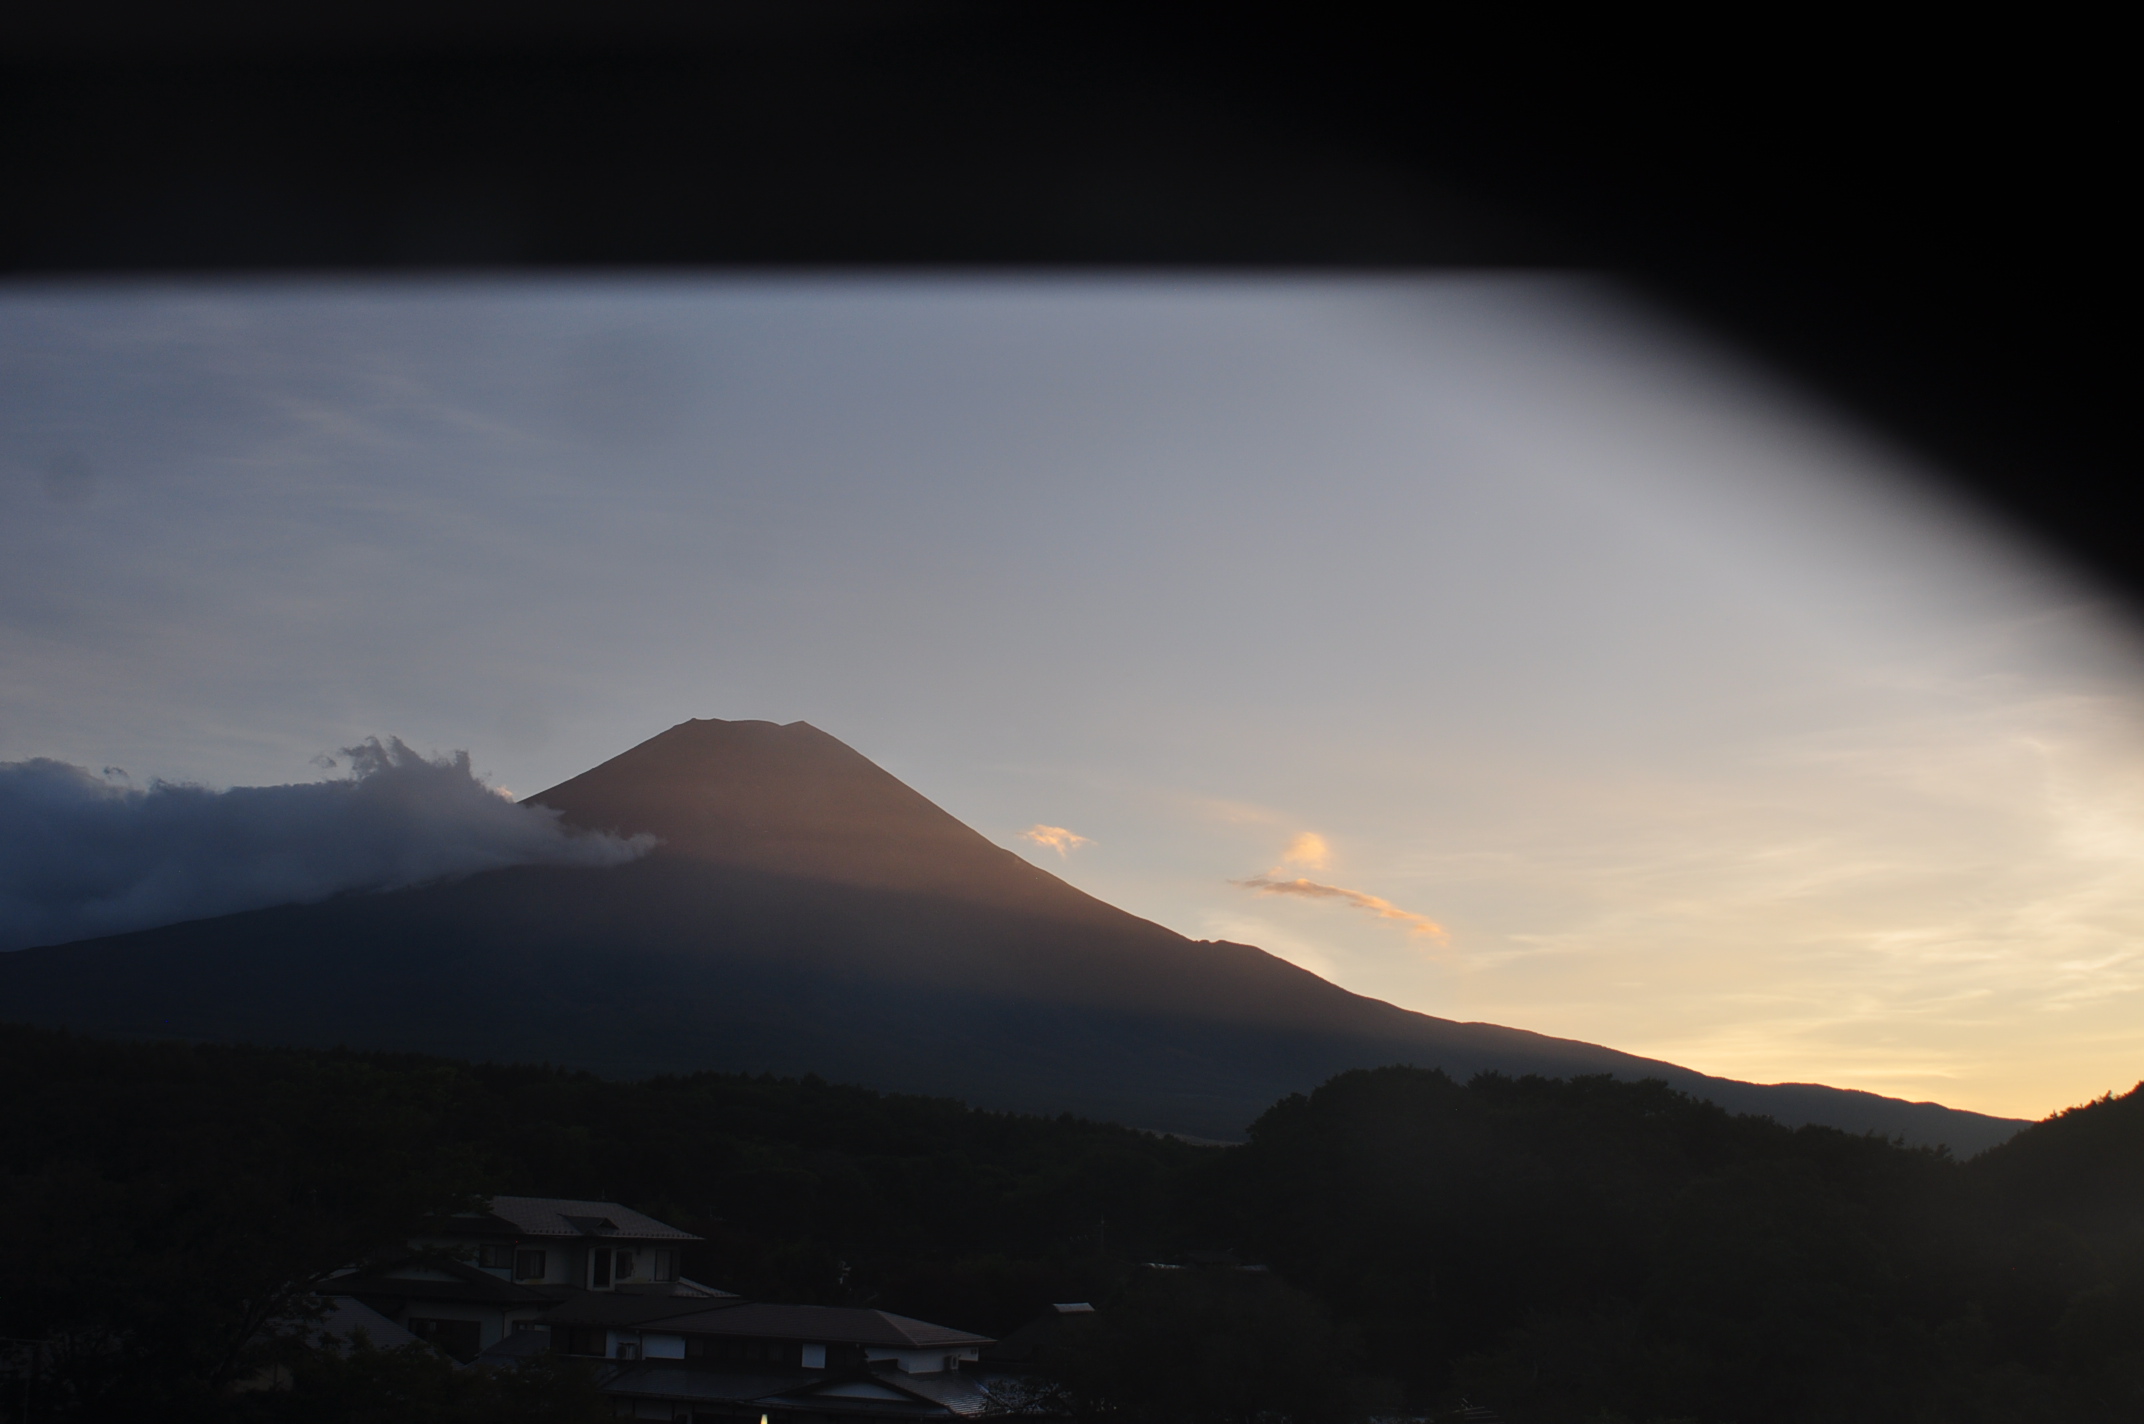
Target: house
column 750, row 1334
column 600, row 1281
column 751, row 1360
column 478, row 1278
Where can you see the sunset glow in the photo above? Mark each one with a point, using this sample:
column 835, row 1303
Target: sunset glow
column 1670, row 709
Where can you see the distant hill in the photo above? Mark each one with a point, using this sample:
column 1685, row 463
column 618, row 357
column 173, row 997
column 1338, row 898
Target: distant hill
column 2083, row 1168
column 807, row 912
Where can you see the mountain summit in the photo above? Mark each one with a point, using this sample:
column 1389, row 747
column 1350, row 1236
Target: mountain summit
column 795, row 813
column 791, row 800
column 805, row 911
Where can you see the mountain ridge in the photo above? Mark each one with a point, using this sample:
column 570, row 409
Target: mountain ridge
column 804, row 910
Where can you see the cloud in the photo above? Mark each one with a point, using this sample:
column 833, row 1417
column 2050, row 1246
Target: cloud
column 1308, row 850
column 1057, row 838
column 1272, row 883
column 83, row 855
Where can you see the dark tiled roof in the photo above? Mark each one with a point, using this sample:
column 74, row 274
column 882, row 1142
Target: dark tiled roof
column 608, row 1308
column 430, row 1278
column 680, row 1289
column 347, row 1317
column 514, row 1347
column 564, row 1216
column 867, row 1399
column 949, row 1391
column 674, row 1379
column 705, row 1289
column 832, row 1324
column 925, row 1397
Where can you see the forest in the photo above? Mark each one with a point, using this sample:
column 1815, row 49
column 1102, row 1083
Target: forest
column 1386, row 1246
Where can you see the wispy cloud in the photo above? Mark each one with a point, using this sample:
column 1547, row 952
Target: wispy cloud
column 1056, row 838
column 1273, row 883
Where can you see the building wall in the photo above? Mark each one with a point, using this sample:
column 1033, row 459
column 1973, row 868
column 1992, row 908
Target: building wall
column 565, row 1261
column 652, row 1347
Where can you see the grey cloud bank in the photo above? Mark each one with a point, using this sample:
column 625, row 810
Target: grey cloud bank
column 83, row 855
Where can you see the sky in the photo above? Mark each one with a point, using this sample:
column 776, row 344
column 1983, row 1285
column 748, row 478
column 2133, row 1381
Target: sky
column 1491, row 644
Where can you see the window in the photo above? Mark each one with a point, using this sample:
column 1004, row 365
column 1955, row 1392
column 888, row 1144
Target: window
column 599, row 1270
column 664, row 1265
column 494, row 1257
column 531, row 1265
column 815, row 1357
column 624, row 1268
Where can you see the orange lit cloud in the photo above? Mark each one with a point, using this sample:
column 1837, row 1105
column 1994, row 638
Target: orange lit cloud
column 1057, row 838
column 1272, row 883
column 1307, row 849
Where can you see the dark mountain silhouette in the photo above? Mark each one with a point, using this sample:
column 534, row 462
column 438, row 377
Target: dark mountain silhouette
column 2082, row 1168
column 807, row 912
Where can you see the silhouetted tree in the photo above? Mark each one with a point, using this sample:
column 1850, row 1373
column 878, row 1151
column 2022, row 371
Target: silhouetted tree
column 415, row 1384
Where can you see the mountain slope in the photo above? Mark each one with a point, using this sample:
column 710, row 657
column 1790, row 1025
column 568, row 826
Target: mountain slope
column 806, row 911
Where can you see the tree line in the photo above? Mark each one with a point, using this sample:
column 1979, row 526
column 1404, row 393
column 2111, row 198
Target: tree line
column 1557, row 1250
